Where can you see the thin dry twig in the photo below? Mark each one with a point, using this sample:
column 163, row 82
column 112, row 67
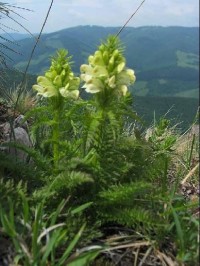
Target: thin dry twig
column 135, row 245
column 145, row 256
column 130, row 18
column 136, row 256
column 167, row 260
column 190, row 174
column 112, row 239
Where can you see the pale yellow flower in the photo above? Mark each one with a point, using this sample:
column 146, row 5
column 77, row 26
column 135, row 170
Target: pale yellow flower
column 70, row 90
column 120, row 67
column 123, row 89
column 126, row 77
column 94, row 86
column 100, row 71
column 111, row 82
column 69, row 93
column 45, row 87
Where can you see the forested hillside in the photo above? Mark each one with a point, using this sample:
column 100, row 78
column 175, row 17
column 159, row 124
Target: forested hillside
column 165, row 59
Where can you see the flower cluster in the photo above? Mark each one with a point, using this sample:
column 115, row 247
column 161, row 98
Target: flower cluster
column 106, row 70
column 59, row 79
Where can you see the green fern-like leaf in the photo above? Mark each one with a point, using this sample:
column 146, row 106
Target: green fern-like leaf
column 126, row 194
column 70, row 180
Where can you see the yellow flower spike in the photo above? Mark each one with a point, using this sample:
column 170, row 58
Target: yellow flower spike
column 107, row 70
column 58, row 79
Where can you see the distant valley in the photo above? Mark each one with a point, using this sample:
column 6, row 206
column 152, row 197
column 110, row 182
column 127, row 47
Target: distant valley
column 165, row 59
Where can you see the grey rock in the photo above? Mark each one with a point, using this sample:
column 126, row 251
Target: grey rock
column 18, row 134
column 19, row 122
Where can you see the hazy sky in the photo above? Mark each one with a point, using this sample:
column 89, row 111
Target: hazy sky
column 65, row 13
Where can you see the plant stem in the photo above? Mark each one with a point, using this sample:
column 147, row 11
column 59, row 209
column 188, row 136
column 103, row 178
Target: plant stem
column 56, row 136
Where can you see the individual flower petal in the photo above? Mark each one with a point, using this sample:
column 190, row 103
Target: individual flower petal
column 98, row 59
column 94, row 86
column 123, row 89
column 100, row 71
column 58, row 81
column 45, row 92
column 74, row 84
column 126, row 77
column 69, row 94
column 105, row 56
column 74, row 94
column 120, row 67
column 86, row 69
column 91, row 88
column 90, row 59
column 45, row 87
column 86, row 77
column 45, row 82
column 131, row 74
column 111, row 82
column 116, row 53
column 51, row 74
column 112, row 60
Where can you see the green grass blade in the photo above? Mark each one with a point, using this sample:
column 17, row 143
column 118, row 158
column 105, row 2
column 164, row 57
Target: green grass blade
column 81, row 208
column 71, row 246
column 84, row 259
column 179, row 230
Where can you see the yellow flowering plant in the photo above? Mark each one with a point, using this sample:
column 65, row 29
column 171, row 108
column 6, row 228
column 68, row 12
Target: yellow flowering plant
column 59, row 85
column 107, row 78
